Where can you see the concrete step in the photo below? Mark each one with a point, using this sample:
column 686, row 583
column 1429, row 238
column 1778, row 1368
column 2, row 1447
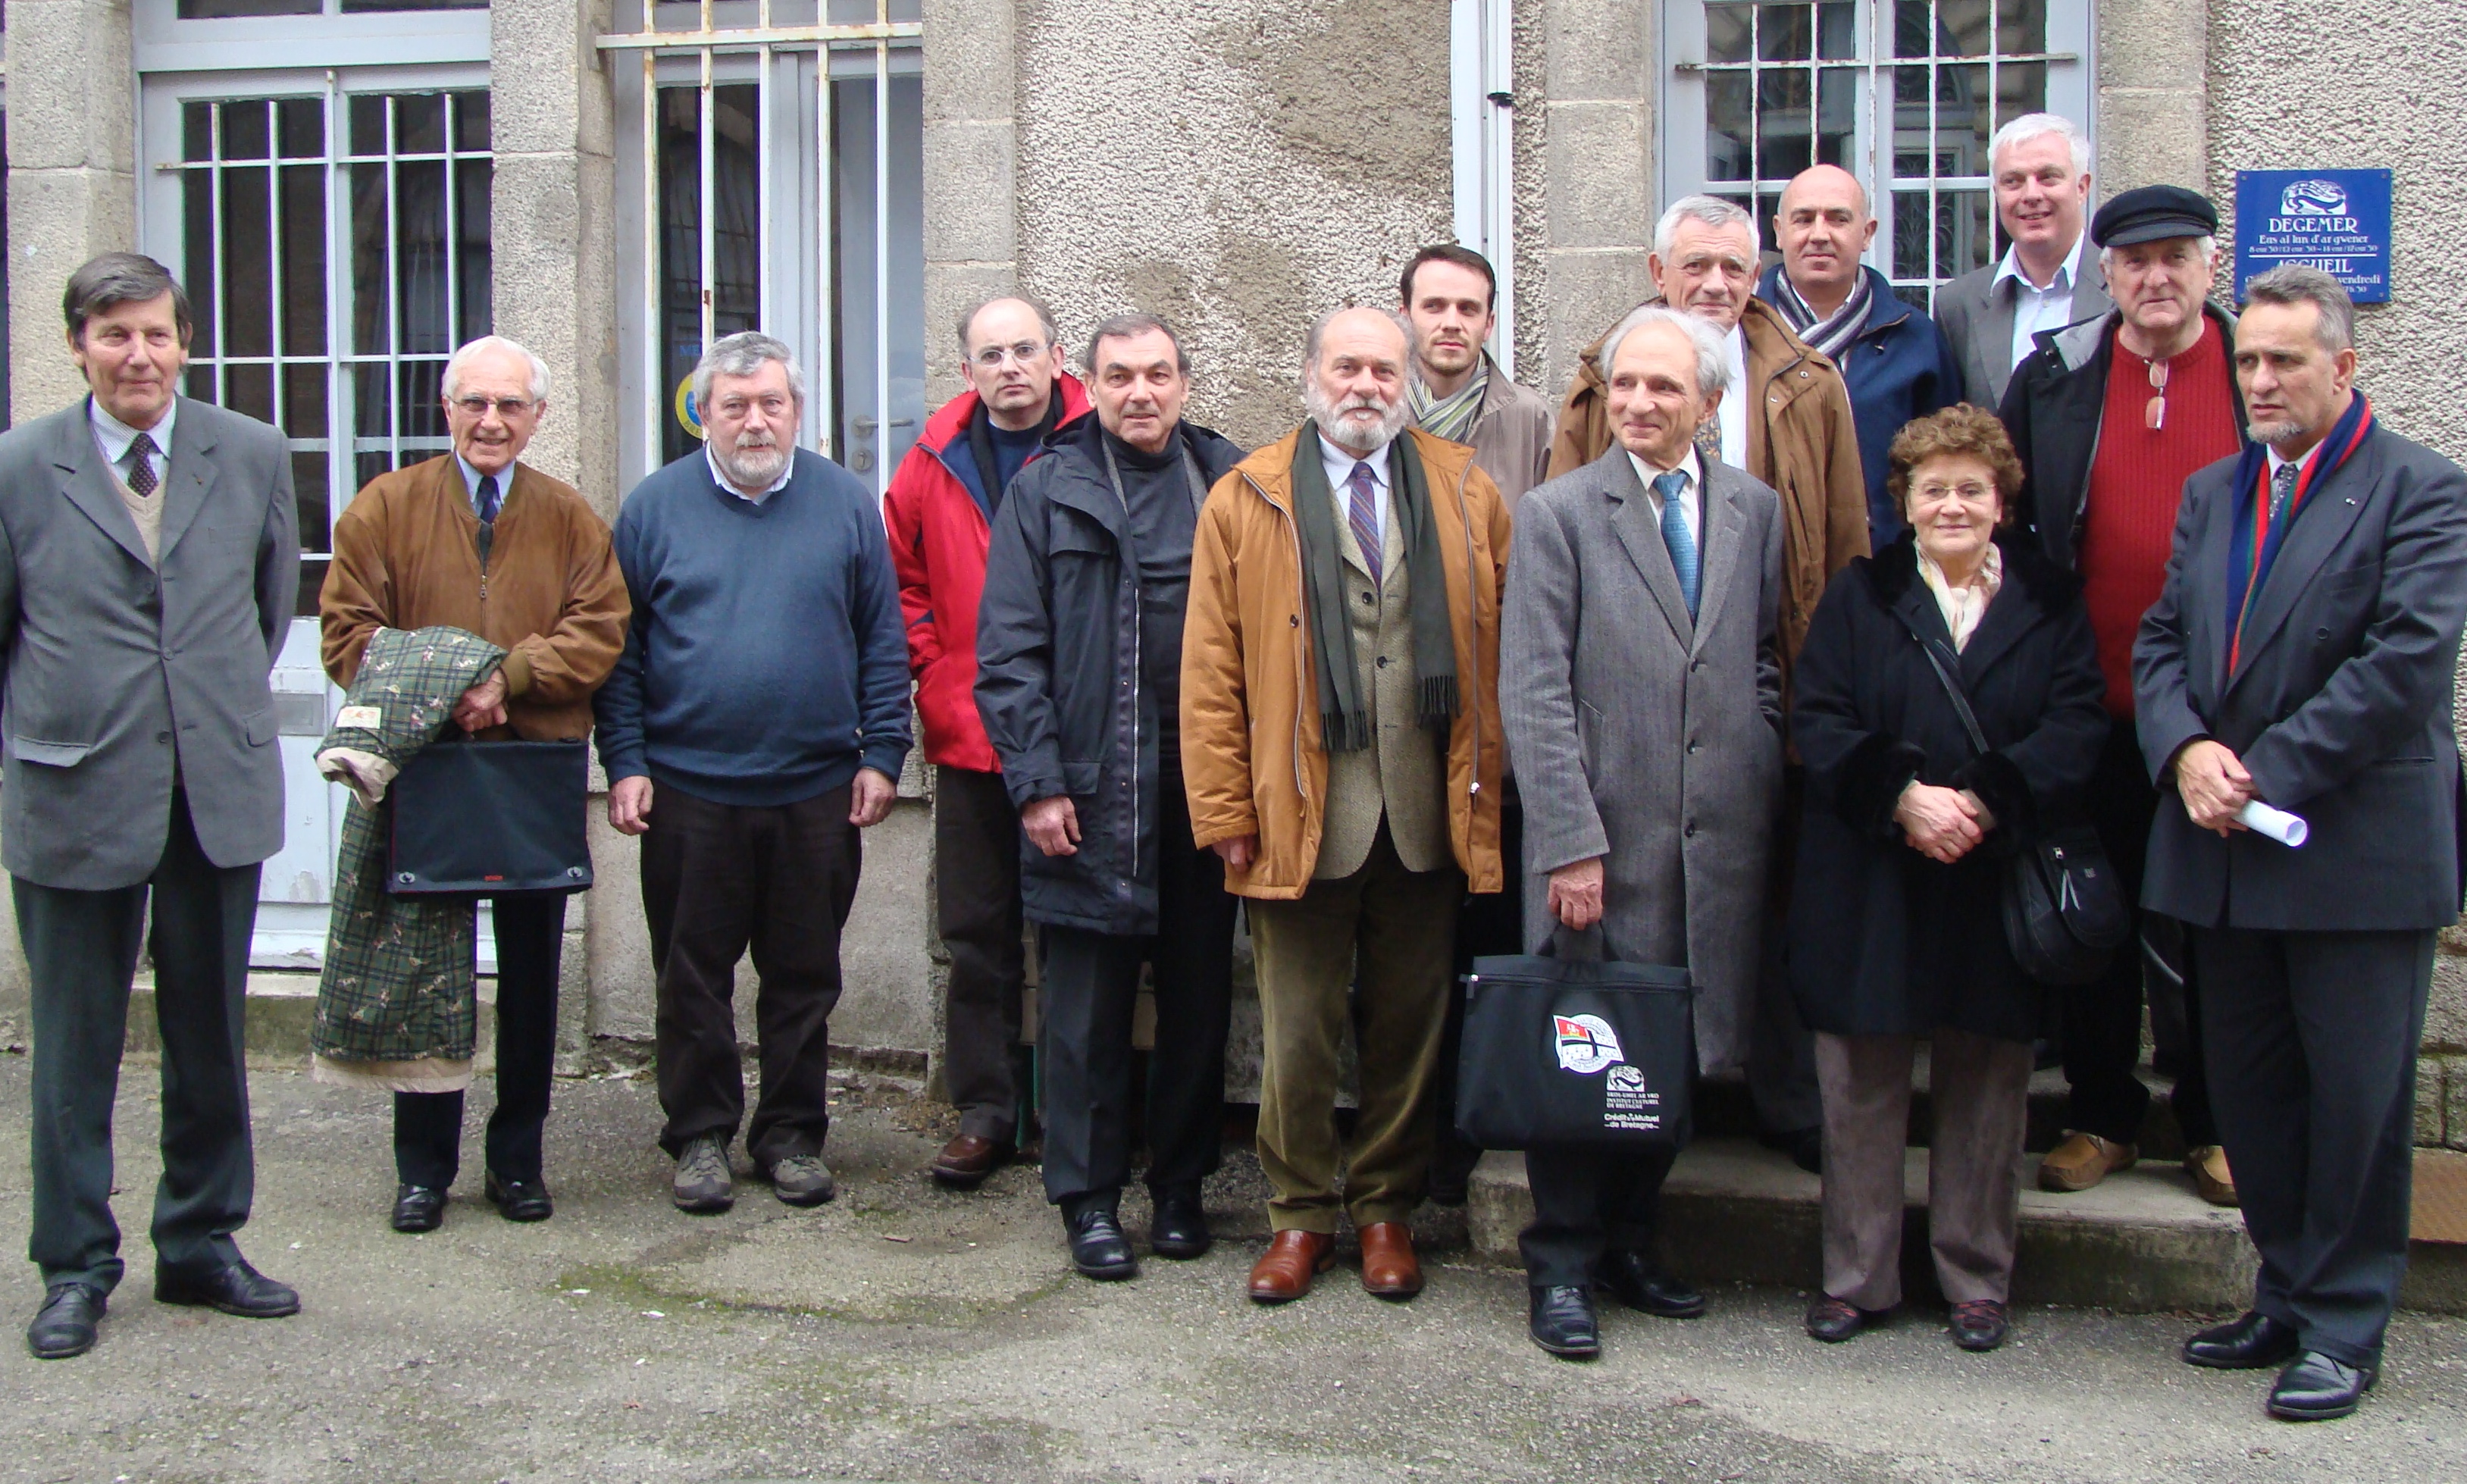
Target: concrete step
column 1723, row 1110
column 2141, row 1241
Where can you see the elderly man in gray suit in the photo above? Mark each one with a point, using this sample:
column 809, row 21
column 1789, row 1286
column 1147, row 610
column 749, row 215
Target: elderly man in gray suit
column 150, row 553
column 2300, row 656
column 1641, row 680
column 2045, row 281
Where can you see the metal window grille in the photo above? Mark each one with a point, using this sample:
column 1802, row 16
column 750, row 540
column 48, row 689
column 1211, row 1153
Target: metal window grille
column 1904, row 94
column 740, row 122
column 336, row 250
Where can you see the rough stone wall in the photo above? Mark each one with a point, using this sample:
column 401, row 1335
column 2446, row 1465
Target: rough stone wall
column 1601, row 178
column 1236, row 167
column 971, row 172
column 2357, row 84
column 2152, row 92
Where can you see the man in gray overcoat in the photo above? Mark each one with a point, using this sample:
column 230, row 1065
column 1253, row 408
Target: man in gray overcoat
column 1642, row 687
column 150, row 553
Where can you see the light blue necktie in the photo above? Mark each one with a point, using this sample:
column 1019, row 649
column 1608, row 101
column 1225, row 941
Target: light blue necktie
column 1674, row 534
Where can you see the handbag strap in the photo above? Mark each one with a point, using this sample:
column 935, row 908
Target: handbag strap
column 1952, row 689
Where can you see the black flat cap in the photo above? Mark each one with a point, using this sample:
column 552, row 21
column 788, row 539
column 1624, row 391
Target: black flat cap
column 2153, row 214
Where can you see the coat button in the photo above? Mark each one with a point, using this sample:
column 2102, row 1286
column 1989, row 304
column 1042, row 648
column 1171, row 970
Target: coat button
column 162, row 737
column 1691, row 829
column 1292, row 620
column 2321, row 633
column 1383, row 662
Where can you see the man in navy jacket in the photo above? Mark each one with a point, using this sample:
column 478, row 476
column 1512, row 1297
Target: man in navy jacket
column 1896, row 361
column 2301, row 656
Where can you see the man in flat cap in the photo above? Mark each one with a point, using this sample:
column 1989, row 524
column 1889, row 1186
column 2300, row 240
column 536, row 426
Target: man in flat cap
column 2110, row 416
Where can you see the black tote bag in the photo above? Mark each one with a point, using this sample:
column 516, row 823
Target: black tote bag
column 1559, row 1051
column 490, row 819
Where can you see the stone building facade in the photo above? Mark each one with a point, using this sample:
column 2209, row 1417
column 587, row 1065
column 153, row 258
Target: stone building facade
column 1238, row 166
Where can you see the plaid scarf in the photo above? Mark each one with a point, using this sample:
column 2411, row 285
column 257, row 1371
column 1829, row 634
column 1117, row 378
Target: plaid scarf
column 1831, row 335
column 1451, row 417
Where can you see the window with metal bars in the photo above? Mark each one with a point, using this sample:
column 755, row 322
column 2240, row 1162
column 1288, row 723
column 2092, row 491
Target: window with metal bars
column 1904, row 94
column 336, row 251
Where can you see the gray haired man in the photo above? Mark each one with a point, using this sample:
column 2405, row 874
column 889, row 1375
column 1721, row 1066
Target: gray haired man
column 753, row 726
column 150, row 553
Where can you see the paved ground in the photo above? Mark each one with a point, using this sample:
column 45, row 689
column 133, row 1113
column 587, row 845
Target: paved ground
column 905, row 1334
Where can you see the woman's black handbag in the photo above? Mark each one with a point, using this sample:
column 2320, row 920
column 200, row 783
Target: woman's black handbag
column 490, row 819
column 1566, row 1052
column 2064, row 910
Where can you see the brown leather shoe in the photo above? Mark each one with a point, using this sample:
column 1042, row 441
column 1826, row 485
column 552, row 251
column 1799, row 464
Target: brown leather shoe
column 966, row 1160
column 1389, row 1269
column 1284, row 1271
column 2211, row 1177
column 2082, row 1161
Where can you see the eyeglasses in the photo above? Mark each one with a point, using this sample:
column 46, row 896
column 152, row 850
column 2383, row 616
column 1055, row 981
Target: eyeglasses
column 2154, row 416
column 1972, row 493
column 509, row 408
column 991, row 357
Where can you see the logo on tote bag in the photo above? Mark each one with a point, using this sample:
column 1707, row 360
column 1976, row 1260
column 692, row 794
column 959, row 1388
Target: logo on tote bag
column 1587, row 1043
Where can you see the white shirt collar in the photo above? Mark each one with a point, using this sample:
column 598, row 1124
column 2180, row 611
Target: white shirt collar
column 1691, row 500
column 786, row 472
column 471, row 477
column 2067, row 276
column 113, row 435
column 1646, row 473
column 1339, row 462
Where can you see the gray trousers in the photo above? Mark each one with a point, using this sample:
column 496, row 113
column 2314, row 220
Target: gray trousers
column 1980, row 1087
column 82, row 953
column 2312, row 1042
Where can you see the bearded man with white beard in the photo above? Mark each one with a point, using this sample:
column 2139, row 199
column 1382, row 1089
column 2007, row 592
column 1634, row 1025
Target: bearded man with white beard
column 1342, row 752
column 753, row 726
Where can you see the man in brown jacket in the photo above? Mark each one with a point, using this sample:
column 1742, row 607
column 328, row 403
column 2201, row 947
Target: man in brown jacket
column 1787, row 422
column 475, row 540
column 1342, row 751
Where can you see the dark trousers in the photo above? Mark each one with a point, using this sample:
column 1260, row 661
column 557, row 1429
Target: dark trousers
column 2102, row 1021
column 1489, row 924
column 2312, row 1043
column 1588, row 1201
column 719, row 880
column 1781, row 1068
column 1085, row 999
column 82, row 953
column 428, row 1126
column 976, row 893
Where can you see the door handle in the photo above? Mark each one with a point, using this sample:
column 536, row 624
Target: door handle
column 865, row 426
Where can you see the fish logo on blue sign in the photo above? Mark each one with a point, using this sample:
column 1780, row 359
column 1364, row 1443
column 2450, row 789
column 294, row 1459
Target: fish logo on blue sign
column 2313, row 198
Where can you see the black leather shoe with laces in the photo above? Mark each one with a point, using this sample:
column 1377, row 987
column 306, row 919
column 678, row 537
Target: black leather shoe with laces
column 1099, row 1249
column 1564, row 1323
column 65, row 1325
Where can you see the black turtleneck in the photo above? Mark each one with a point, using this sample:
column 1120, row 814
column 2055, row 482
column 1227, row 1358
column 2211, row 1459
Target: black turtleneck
column 1157, row 489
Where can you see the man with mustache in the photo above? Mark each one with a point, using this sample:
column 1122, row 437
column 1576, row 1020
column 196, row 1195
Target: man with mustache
column 1080, row 674
column 2045, row 282
column 755, row 724
column 478, row 540
column 1787, row 422
column 1342, row 749
column 1893, row 359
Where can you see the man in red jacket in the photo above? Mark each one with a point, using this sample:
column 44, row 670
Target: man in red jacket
column 938, row 511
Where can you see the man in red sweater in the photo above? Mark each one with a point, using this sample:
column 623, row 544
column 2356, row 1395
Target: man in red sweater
column 938, row 513
column 2111, row 416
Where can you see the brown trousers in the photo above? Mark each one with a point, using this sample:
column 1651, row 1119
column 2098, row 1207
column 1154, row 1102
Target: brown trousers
column 1388, row 934
column 1980, row 1087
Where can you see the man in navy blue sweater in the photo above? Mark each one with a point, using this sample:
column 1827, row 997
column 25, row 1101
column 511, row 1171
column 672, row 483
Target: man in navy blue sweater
column 762, row 699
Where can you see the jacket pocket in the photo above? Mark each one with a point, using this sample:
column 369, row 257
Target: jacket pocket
column 51, row 754
column 260, row 727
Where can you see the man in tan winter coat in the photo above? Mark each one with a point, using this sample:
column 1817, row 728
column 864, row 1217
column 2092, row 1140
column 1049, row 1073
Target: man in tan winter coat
column 1342, row 751
column 1786, row 421
column 477, row 540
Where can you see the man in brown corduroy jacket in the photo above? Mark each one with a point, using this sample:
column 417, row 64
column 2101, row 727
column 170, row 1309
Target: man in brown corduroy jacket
column 476, row 540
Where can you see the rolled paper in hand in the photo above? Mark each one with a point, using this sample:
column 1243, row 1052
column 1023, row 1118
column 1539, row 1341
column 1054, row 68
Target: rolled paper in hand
column 2277, row 823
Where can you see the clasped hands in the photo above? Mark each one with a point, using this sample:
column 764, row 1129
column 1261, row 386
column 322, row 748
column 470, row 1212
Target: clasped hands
column 1944, row 824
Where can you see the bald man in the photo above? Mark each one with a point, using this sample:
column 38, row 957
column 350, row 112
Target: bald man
column 1342, row 749
column 1896, row 362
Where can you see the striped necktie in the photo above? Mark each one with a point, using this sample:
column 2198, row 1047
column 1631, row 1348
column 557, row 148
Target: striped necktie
column 491, row 503
column 1362, row 513
column 1673, row 487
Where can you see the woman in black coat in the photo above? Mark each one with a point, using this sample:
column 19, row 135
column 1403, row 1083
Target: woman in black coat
column 1897, row 932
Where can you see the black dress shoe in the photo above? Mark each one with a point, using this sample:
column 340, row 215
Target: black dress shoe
column 419, row 1208
column 1834, row 1320
column 1179, row 1228
column 518, row 1200
column 2317, row 1388
column 1564, row 1323
column 2246, row 1344
column 237, row 1290
column 1647, row 1289
column 1099, row 1249
column 64, row 1326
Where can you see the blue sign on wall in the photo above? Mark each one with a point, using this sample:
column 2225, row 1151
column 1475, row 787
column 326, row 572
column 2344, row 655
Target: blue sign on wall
column 2338, row 221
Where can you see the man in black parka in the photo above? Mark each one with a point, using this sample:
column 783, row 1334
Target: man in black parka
column 1078, row 680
